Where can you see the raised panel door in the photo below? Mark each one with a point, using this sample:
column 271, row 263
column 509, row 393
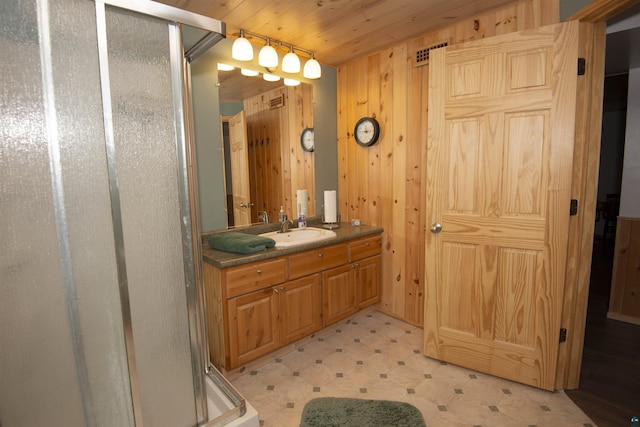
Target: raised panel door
column 499, row 161
column 367, row 277
column 338, row 294
column 253, row 326
column 300, row 308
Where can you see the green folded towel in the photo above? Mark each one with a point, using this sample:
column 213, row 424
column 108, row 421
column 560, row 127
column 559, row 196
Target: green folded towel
column 241, row 243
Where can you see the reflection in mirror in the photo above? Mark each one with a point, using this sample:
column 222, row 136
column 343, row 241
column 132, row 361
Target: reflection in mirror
column 264, row 160
column 221, row 95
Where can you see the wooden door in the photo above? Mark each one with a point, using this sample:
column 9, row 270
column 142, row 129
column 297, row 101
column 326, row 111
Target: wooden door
column 338, row 294
column 367, row 274
column 240, row 169
column 253, row 325
column 300, row 308
column 499, row 157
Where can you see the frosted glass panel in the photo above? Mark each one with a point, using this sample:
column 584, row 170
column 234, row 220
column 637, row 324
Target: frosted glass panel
column 148, row 187
column 57, row 253
column 63, row 360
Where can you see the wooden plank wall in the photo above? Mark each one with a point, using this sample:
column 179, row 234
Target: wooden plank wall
column 384, row 185
column 625, row 284
column 278, row 166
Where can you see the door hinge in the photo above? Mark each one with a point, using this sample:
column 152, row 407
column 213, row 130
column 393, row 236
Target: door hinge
column 582, row 66
column 563, row 334
column 573, row 209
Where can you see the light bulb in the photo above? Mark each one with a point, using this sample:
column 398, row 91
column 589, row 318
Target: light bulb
column 225, row 67
column 270, row 77
column 248, row 73
column 312, row 69
column 242, row 49
column 291, row 62
column 268, row 57
column 291, row 82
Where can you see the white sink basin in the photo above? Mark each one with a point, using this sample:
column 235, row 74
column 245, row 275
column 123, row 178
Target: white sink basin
column 295, row 236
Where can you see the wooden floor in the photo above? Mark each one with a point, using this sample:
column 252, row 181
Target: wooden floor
column 609, row 391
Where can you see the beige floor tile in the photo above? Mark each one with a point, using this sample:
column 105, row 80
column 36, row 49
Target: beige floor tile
column 379, row 357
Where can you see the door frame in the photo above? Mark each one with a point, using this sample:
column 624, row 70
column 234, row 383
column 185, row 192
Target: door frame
column 589, row 108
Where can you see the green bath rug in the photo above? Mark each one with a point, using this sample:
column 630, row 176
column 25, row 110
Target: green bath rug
column 334, row 412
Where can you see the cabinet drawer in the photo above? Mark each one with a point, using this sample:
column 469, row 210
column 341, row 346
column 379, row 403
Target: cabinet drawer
column 365, row 248
column 247, row 278
column 316, row 260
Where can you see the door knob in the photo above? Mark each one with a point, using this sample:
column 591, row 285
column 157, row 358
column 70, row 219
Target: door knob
column 436, row 227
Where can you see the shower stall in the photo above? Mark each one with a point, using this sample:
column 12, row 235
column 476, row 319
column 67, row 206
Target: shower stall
column 100, row 316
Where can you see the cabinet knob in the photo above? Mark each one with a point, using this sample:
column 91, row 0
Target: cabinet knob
column 368, row 244
column 259, row 271
column 320, row 255
column 282, row 288
column 275, row 290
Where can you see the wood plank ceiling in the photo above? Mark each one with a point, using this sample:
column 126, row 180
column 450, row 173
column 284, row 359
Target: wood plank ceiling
column 337, row 31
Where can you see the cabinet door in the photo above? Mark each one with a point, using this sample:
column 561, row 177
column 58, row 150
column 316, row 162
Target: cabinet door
column 300, row 308
column 253, row 326
column 367, row 273
column 338, row 293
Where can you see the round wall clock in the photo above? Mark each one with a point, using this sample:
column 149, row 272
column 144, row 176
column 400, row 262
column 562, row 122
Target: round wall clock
column 367, row 131
column 307, row 139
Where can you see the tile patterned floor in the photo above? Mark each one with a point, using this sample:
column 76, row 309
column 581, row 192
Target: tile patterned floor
column 378, row 357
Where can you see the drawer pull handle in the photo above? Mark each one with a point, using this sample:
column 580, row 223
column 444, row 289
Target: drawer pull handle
column 275, row 290
column 320, row 255
column 259, row 271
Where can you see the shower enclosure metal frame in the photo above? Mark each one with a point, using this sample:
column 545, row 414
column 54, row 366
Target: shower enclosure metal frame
column 181, row 89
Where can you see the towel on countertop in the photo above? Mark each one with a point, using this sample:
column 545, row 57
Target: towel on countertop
column 241, row 243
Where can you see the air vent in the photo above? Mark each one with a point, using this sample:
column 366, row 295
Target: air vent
column 422, row 55
column 276, row 102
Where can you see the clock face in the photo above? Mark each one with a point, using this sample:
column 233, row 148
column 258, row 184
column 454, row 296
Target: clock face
column 307, row 139
column 367, row 131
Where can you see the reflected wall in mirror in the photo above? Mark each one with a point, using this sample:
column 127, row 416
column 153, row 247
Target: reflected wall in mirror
column 265, row 163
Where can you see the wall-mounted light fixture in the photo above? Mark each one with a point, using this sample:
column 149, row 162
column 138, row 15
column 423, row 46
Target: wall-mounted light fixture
column 291, row 62
column 241, row 50
column 268, row 56
column 312, row 69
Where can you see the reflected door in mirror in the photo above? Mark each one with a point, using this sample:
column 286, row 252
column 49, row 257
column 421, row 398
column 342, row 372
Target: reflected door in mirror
column 239, row 170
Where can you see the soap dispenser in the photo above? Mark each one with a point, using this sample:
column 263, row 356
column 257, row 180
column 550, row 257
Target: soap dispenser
column 302, row 219
column 282, row 216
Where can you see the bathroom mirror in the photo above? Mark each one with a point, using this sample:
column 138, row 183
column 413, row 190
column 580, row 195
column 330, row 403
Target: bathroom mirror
column 217, row 96
column 264, row 163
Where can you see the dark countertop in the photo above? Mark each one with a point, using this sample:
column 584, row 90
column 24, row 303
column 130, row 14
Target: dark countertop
column 222, row 259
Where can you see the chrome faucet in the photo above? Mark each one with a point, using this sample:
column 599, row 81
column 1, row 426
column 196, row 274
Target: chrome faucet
column 263, row 216
column 284, row 226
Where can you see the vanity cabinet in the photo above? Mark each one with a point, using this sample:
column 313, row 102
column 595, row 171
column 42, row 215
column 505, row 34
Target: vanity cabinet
column 256, row 308
column 366, row 259
column 338, row 294
column 353, row 286
column 300, row 308
column 265, row 320
column 253, row 325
